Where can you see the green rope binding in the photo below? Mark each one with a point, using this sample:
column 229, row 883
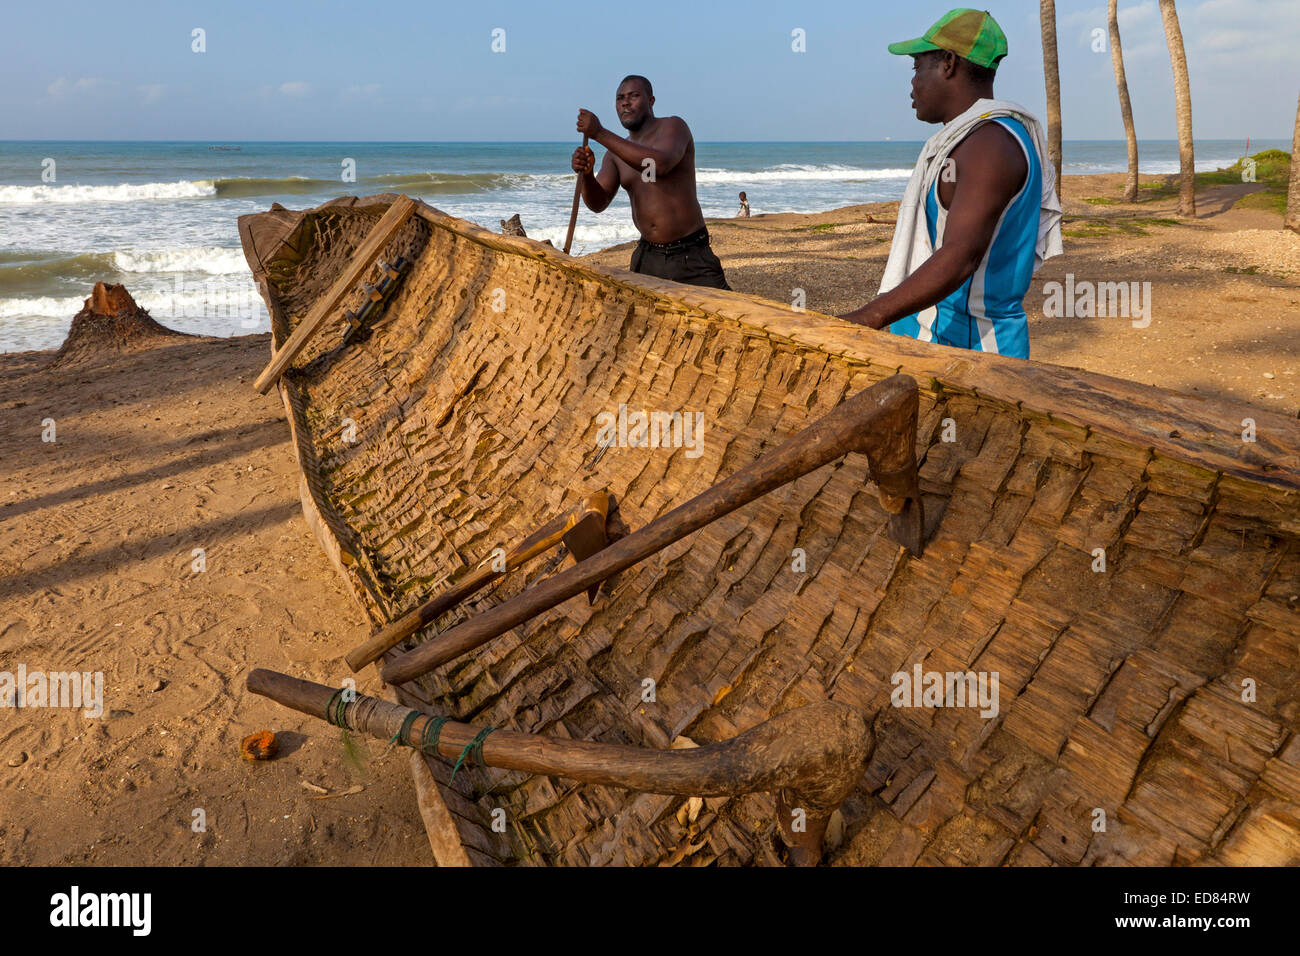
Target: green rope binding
column 475, row 746
column 336, row 709
column 432, row 730
column 403, row 735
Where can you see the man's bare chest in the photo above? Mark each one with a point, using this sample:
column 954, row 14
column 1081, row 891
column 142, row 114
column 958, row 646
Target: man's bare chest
column 634, row 178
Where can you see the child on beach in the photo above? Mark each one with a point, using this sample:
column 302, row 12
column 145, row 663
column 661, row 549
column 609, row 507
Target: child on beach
column 744, row 208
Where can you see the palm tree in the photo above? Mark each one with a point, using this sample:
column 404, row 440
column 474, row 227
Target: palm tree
column 1183, row 97
column 1052, row 74
column 1292, row 220
column 1125, row 107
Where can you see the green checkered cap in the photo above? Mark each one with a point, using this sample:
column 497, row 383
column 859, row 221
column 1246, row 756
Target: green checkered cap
column 972, row 34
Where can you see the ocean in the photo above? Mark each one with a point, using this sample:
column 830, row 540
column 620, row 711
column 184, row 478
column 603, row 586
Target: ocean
column 160, row 217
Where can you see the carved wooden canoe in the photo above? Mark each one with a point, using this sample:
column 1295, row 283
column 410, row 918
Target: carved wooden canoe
column 1120, row 556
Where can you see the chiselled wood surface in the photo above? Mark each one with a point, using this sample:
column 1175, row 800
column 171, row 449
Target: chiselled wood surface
column 1121, row 691
column 362, row 261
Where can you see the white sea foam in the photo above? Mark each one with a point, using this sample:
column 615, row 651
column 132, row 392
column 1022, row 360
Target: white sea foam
column 1145, row 167
column 216, row 298
column 123, row 192
column 536, row 180
column 793, row 172
column 52, row 306
column 212, row 260
column 588, row 237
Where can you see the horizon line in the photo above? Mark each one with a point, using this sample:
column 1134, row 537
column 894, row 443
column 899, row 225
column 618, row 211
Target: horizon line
column 554, row 142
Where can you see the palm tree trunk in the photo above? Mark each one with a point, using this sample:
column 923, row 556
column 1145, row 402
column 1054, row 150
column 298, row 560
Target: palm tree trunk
column 1052, row 76
column 1292, row 220
column 1183, row 97
column 1125, row 107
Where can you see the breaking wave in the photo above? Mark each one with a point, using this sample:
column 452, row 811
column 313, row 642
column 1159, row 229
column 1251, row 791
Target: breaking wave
column 123, row 192
column 218, row 301
column 35, row 271
column 791, row 172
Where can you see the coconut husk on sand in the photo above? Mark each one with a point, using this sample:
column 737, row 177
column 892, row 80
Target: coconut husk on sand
column 109, row 321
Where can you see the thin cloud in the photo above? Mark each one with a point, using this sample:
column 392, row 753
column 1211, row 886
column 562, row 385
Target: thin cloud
column 86, row 84
column 1246, row 35
column 295, row 88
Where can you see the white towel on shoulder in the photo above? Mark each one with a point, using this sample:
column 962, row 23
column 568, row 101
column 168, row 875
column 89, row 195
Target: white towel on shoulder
column 911, row 244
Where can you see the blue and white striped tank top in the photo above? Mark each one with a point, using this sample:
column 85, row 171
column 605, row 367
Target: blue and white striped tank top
column 987, row 312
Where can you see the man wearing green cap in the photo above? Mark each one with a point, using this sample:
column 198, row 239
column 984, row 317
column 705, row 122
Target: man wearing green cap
column 980, row 213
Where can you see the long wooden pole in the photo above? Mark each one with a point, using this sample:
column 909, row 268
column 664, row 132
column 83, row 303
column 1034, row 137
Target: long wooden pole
column 813, row 755
column 573, row 215
column 879, row 422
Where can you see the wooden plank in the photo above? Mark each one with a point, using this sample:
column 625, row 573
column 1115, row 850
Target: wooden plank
column 444, row 838
column 439, row 824
column 361, row 260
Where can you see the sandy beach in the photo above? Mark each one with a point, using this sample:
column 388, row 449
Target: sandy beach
column 164, row 451
column 158, row 453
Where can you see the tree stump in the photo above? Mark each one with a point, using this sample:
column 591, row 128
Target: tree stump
column 109, row 321
column 513, row 227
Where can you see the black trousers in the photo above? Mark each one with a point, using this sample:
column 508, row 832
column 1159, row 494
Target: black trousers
column 688, row 260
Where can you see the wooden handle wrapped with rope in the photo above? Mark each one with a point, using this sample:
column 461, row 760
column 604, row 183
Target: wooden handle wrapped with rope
column 811, row 757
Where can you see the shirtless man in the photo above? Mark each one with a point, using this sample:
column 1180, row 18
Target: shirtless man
column 656, row 165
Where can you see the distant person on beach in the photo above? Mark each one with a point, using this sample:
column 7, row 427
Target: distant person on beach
column 980, row 213
column 656, row 165
column 744, row 208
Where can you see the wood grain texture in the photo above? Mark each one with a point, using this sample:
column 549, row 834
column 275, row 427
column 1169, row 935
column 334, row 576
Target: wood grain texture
column 1120, row 690
column 362, row 260
column 582, row 530
column 439, row 824
column 814, row 748
column 878, row 422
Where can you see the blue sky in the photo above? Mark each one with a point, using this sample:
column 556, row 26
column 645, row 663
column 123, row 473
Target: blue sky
column 426, row 71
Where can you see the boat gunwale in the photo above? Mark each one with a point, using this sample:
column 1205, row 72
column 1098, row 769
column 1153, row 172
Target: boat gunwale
column 941, row 369
column 1093, row 401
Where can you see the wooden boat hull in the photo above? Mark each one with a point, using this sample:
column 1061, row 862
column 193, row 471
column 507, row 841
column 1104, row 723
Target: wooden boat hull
column 1147, row 711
